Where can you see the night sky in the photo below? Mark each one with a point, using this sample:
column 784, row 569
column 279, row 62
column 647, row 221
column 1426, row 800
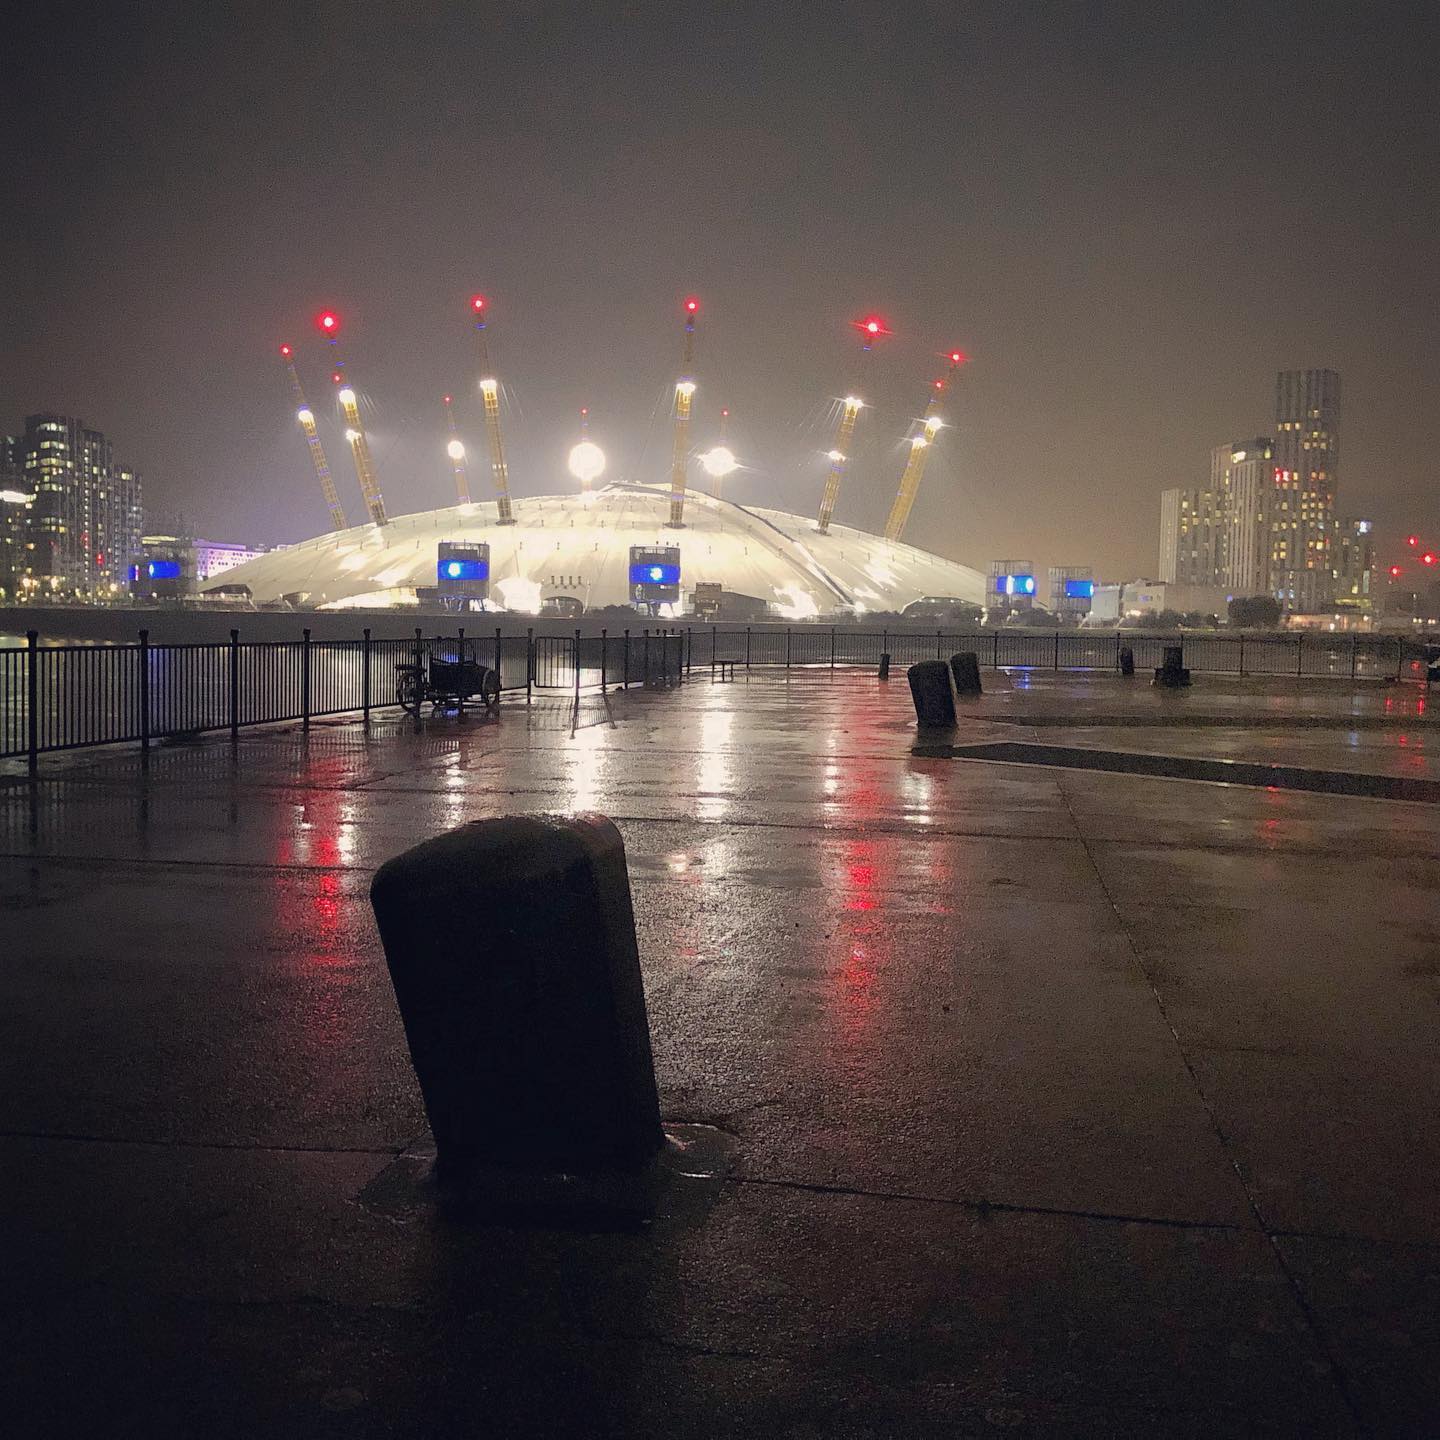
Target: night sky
column 1129, row 215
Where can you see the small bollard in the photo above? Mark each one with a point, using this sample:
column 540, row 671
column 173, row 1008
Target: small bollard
column 965, row 667
column 1127, row 661
column 932, row 687
column 511, row 947
column 885, row 665
column 1173, row 675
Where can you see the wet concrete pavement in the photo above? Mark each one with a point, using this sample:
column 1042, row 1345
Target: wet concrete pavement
column 1063, row 1103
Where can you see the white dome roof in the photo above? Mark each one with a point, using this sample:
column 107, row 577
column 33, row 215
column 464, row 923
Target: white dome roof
column 579, row 545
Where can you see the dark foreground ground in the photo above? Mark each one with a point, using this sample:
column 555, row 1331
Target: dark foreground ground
column 1063, row 1103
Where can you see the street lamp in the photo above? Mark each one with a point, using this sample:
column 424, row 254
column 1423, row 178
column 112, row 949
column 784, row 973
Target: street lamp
column 587, row 462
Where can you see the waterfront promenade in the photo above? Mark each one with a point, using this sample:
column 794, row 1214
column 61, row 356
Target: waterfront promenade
column 1062, row 1102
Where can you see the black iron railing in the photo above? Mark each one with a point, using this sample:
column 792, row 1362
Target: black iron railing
column 67, row 697
column 62, row 697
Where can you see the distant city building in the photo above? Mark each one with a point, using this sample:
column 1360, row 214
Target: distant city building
column 1192, row 536
column 16, row 504
column 1240, row 476
column 85, row 522
column 1301, row 513
column 1265, row 524
column 1141, row 598
column 1072, row 589
column 1355, row 580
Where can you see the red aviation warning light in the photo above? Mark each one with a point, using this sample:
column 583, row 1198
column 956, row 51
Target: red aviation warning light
column 336, row 377
column 1428, row 558
column 691, row 304
column 477, row 304
column 958, row 357
column 327, row 322
column 286, row 351
column 871, row 326
column 1394, row 572
column 1412, row 541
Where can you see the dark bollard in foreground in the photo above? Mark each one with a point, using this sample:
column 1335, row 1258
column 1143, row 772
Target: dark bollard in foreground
column 965, row 667
column 885, row 666
column 511, row 947
column 1172, row 674
column 1127, row 661
column 932, row 687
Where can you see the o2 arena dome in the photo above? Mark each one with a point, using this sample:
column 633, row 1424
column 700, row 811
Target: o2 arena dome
column 609, row 547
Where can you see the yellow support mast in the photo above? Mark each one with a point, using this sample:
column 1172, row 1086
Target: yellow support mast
column 328, row 324
column 870, row 328
column 306, row 416
column 919, row 451
column 684, row 394
column 455, row 449
column 490, row 394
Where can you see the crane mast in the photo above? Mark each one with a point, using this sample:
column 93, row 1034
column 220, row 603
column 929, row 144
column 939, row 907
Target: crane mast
column 306, row 416
column 455, row 449
column 919, row 452
column 490, row 394
column 684, row 394
column 871, row 328
column 327, row 322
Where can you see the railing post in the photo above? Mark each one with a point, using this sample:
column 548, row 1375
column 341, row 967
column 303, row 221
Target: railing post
column 1117, row 647
column 417, row 656
column 529, row 662
column 1354, row 653
column 365, row 674
column 747, row 647
column 712, row 647
column 1399, row 656
column 460, row 660
column 497, row 655
column 144, row 654
column 938, row 646
column 577, row 664
column 995, row 651
column 787, row 647
column 689, row 647
column 234, row 685
column 645, row 661
column 1242, row 653
column 1057, row 649
column 604, row 660
column 305, row 680
column 832, row 649
column 625, row 659
column 884, row 639
column 1299, row 654
column 32, row 698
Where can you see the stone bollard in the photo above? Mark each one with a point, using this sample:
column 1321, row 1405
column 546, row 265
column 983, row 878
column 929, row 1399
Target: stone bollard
column 1172, row 674
column 965, row 667
column 511, row 947
column 1127, row 660
column 932, row 687
column 885, row 665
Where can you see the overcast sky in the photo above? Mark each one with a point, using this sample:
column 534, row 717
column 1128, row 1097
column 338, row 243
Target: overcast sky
column 1129, row 215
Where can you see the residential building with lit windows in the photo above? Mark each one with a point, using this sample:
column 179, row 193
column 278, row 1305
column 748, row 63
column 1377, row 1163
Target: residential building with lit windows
column 1192, row 536
column 86, row 521
column 16, row 504
column 1240, row 475
column 1306, row 470
column 1355, row 579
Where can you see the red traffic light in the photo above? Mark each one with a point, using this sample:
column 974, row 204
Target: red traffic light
column 477, row 303
column 327, row 322
column 286, row 352
column 691, row 305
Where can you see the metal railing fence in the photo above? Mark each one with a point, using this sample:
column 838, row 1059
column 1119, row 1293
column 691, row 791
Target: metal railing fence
column 62, row 697
column 68, row 697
